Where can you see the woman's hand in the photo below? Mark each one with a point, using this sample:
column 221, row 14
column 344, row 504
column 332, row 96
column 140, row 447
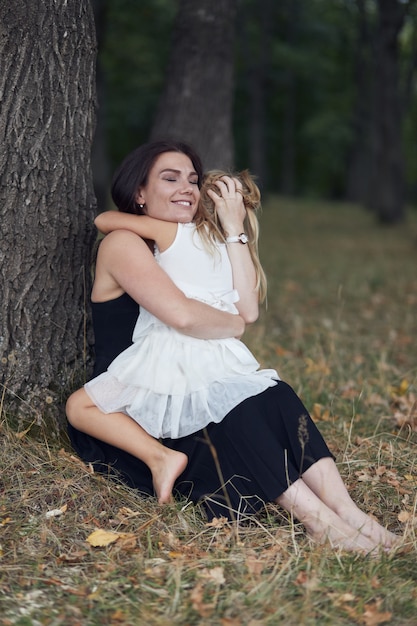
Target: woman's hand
column 229, row 204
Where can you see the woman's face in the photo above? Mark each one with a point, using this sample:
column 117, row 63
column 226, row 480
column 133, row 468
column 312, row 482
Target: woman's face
column 172, row 192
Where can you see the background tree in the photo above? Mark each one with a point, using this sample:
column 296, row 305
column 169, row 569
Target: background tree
column 47, row 52
column 134, row 52
column 302, row 95
column 386, row 181
column 196, row 104
column 254, row 23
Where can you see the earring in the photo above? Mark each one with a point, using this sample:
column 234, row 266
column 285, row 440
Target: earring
column 141, row 206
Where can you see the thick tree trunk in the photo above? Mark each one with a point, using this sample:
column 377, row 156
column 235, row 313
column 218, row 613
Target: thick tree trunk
column 197, row 102
column 358, row 171
column 387, row 183
column 47, row 203
column 99, row 156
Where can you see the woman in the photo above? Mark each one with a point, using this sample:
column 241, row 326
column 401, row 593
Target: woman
column 266, row 449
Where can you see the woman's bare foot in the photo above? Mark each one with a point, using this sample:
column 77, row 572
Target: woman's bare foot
column 165, row 470
column 369, row 527
column 340, row 535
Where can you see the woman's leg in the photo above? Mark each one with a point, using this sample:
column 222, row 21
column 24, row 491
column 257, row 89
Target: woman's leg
column 324, row 480
column 321, row 522
column 123, row 432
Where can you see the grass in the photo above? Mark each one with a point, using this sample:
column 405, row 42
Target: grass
column 340, row 326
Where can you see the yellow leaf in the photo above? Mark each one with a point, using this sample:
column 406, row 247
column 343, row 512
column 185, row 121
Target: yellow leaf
column 175, row 555
column 101, row 538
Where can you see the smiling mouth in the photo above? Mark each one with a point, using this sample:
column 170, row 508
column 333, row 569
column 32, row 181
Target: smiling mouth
column 185, row 203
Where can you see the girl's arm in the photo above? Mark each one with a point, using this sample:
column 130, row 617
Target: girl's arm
column 125, row 264
column 231, row 211
column 163, row 233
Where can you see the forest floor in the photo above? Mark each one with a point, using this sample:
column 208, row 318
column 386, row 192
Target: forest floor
column 341, row 328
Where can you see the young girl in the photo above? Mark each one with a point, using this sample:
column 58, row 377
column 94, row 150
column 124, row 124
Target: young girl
column 170, row 383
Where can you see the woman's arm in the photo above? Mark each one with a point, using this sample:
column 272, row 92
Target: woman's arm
column 231, row 211
column 125, row 263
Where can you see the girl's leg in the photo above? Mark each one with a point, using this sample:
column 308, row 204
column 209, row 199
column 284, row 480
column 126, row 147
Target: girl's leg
column 123, row 432
column 325, row 482
column 321, row 522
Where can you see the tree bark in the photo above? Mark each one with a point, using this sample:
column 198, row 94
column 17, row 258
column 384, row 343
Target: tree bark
column 293, row 11
column 196, row 105
column 47, row 203
column 387, row 196
column 100, row 161
column 358, row 169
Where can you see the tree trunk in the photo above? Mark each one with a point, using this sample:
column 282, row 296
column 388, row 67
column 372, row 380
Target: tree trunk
column 293, row 12
column 196, row 105
column 358, row 171
column 255, row 43
column 100, row 161
column 47, row 203
column 387, row 184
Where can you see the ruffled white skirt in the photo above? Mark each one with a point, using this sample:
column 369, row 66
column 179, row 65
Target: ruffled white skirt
column 174, row 385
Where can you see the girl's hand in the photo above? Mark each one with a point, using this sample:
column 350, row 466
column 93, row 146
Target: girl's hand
column 229, row 204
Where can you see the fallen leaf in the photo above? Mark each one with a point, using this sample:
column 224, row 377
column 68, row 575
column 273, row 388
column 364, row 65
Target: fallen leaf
column 372, row 616
column 309, row 581
column 218, row 522
column 254, row 565
column 101, row 538
column 204, row 609
column 175, row 555
column 56, row 512
column 215, row 574
column 72, row 557
column 401, row 389
column 118, row 616
column 404, row 516
column 375, row 583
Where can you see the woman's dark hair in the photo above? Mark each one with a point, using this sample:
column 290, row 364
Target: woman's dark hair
column 133, row 172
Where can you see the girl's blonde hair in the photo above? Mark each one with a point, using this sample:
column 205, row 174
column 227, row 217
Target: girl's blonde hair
column 208, row 223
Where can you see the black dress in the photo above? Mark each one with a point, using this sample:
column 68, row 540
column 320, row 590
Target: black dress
column 234, row 467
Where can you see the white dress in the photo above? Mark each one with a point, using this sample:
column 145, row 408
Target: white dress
column 173, row 384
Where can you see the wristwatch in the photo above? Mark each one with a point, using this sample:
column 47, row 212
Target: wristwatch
column 242, row 238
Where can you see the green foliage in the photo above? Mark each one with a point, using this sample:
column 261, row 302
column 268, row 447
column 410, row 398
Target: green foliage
column 309, row 45
column 134, row 53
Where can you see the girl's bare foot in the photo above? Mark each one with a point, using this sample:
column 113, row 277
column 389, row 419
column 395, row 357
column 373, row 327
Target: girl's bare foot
column 165, row 471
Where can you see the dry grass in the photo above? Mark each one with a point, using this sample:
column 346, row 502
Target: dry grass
column 341, row 328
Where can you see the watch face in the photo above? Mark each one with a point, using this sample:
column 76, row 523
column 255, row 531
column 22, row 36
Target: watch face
column 243, row 238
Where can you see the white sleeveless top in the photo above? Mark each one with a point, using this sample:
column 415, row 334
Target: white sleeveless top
column 173, row 384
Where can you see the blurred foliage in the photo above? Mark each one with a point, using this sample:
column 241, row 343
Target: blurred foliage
column 133, row 56
column 318, row 58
